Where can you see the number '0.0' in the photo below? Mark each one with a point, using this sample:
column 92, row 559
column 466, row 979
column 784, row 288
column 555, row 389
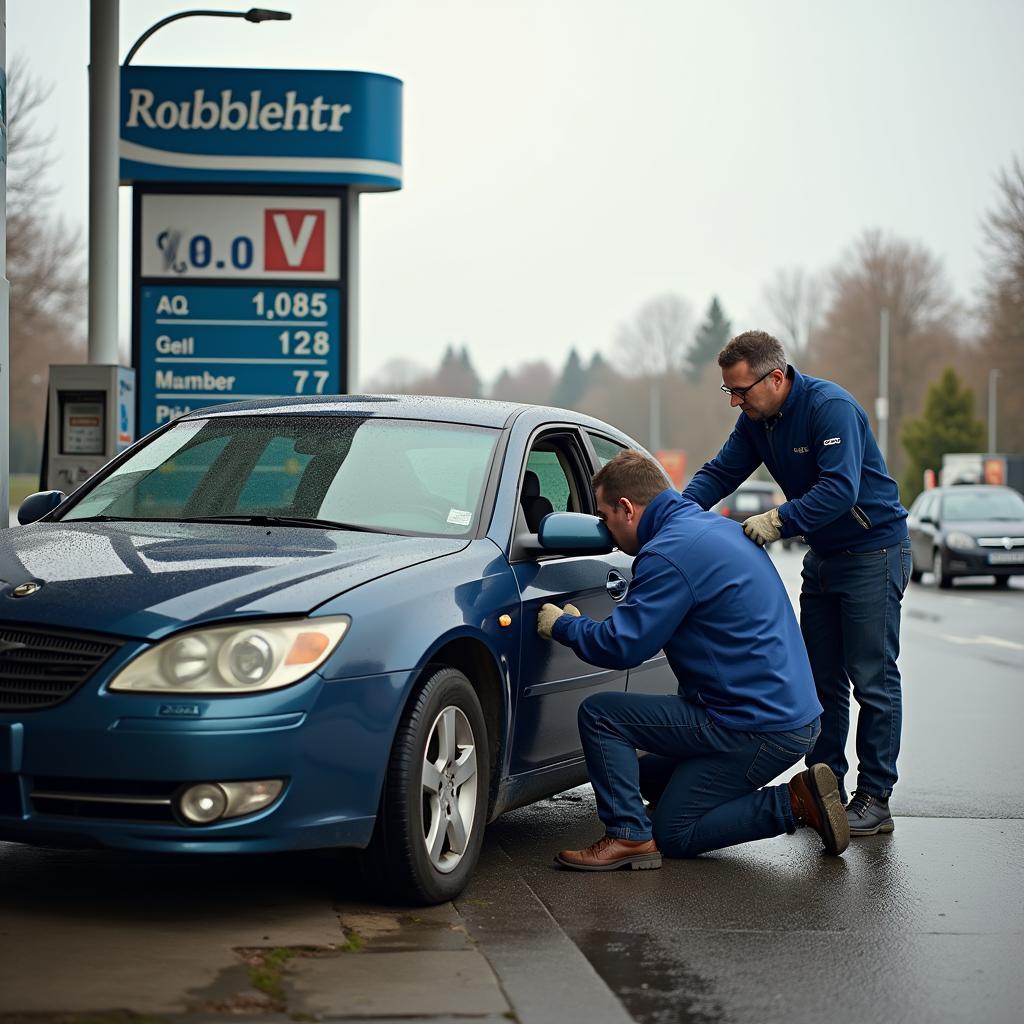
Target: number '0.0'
column 200, row 252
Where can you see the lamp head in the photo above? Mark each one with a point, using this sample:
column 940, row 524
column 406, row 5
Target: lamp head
column 258, row 14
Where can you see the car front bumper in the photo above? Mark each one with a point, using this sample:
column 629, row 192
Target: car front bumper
column 104, row 769
column 984, row 562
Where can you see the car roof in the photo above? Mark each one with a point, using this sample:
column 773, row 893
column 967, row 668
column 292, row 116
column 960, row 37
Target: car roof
column 472, row 411
column 961, row 488
column 480, row 412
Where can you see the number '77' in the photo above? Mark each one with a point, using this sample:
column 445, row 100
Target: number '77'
column 302, row 376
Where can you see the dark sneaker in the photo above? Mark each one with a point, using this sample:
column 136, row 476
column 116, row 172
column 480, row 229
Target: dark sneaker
column 814, row 797
column 609, row 854
column 868, row 815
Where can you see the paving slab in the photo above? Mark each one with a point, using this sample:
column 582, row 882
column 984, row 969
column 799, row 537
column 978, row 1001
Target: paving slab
column 411, row 984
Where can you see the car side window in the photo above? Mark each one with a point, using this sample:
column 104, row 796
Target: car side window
column 605, row 449
column 552, row 481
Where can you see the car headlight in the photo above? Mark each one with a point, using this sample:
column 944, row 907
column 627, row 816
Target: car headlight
column 243, row 658
column 960, row 540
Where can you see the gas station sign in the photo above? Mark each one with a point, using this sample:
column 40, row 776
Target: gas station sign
column 253, row 307
column 245, row 217
column 249, row 237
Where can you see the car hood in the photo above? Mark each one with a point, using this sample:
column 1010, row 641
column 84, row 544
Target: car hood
column 986, row 527
column 145, row 579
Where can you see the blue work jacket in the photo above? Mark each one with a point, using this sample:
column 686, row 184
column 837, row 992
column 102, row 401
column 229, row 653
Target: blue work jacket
column 820, row 450
column 716, row 605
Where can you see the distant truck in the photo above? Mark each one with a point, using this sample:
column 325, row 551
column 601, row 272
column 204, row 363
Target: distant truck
column 981, row 468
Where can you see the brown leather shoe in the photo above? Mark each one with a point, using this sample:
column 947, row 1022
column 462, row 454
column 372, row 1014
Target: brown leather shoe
column 609, row 853
column 814, row 797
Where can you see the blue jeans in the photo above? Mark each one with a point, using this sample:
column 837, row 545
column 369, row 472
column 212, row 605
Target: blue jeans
column 705, row 779
column 850, row 620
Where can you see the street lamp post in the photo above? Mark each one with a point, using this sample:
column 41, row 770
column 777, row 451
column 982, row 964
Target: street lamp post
column 882, row 401
column 993, row 377
column 255, row 14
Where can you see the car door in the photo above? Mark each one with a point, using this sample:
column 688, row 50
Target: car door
column 924, row 530
column 914, row 527
column 553, row 681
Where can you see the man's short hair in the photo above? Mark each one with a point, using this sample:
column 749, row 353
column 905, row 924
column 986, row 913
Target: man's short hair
column 759, row 349
column 631, row 475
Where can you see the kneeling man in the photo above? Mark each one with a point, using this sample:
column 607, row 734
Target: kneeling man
column 746, row 709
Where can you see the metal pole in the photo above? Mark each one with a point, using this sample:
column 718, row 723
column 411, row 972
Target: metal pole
column 993, row 377
column 882, row 402
column 655, row 410
column 5, row 292
column 104, row 132
column 352, row 291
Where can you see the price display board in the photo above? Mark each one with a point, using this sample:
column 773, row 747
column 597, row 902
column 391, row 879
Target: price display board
column 236, row 297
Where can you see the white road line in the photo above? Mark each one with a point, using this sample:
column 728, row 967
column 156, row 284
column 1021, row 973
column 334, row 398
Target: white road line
column 983, row 640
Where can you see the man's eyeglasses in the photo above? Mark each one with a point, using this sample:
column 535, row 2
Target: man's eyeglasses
column 741, row 393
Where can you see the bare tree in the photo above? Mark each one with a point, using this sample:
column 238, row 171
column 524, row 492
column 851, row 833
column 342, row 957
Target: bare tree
column 396, row 377
column 884, row 271
column 45, row 261
column 796, row 301
column 656, row 340
column 1002, row 309
column 530, row 382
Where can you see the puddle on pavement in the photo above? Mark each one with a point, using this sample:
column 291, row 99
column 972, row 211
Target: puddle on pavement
column 654, row 988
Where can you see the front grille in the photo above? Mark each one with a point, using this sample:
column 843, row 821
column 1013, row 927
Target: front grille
column 40, row 668
column 110, row 799
column 1000, row 542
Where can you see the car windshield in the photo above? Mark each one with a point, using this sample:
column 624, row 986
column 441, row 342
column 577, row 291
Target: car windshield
column 994, row 504
column 394, row 476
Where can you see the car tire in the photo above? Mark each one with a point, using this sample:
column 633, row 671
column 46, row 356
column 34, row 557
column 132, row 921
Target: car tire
column 1002, row 582
column 915, row 574
column 430, row 824
column 942, row 578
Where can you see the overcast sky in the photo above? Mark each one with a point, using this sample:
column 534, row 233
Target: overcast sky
column 566, row 160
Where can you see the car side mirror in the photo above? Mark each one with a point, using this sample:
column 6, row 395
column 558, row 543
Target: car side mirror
column 573, row 533
column 37, row 505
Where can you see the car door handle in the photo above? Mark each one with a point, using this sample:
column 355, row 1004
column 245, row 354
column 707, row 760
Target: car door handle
column 616, row 586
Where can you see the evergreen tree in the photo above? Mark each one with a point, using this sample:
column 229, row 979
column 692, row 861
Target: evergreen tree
column 467, row 366
column 600, row 371
column 947, row 425
column 455, row 376
column 572, row 384
column 712, row 336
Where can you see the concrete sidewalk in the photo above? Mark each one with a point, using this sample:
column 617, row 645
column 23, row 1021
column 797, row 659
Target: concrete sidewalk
column 110, row 938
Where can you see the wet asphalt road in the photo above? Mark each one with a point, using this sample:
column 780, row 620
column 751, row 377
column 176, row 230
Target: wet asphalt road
column 924, row 925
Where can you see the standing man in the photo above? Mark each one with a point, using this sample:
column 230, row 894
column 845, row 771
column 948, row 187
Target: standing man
column 746, row 709
column 816, row 441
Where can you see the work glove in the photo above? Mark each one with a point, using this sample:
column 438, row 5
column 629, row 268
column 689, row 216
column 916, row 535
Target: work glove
column 549, row 614
column 765, row 528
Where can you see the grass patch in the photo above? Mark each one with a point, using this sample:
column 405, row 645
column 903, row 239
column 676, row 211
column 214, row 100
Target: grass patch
column 265, row 969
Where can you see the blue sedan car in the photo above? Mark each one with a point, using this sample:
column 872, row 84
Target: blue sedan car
column 305, row 623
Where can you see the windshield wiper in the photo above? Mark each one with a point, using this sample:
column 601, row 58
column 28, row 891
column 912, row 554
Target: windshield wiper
column 264, row 520
column 99, row 519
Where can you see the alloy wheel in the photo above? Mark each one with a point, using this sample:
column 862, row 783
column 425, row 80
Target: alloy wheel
column 449, row 788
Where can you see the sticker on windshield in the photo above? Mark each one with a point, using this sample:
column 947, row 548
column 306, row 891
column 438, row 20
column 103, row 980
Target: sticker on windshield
column 457, row 517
